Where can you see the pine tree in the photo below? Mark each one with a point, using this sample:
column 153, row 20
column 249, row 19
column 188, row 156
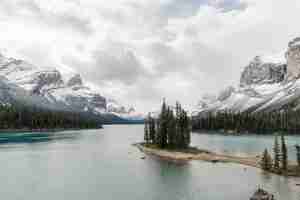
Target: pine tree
column 152, row 130
column 181, row 129
column 186, row 130
column 266, row 161
column 163, row 126
column 146, row 131
column 276, row 151
column 284, row 154
column 171, row 130
column 178, row 137
column 298, row 154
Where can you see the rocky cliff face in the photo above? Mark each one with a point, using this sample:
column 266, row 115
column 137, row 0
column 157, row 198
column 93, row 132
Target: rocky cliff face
column 128, row 113
column 226, row 93
column 26, row 83
column 50, row 86
column 11, row 94
column 75, row 81
column 261, row 71
column 293, row 58
column 42, row 82
column 267, row 83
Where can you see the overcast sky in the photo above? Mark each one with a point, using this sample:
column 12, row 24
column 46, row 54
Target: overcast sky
column 139, row 51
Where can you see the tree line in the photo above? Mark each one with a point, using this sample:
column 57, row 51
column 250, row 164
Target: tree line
column 169, row 130
column 261, row 122
column 25, row 117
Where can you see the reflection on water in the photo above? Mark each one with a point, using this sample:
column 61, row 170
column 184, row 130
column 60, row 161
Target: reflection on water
column 102, row 164
column 36, row 137
column 247, row 145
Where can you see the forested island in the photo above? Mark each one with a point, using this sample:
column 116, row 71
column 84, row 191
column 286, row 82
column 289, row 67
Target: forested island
column 169, row 135
column 170, row 130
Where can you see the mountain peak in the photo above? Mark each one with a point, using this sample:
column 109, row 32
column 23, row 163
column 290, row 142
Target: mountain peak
column 267, row 83
column 263, row 69
column 55, row 89
column 294, row 43
column 293, row 58
column 76, row 80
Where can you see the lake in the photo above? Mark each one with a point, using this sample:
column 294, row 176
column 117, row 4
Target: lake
column 103, row 164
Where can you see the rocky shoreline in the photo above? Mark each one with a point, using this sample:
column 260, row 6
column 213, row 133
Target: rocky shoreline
column 198, row 154
column 204, row 155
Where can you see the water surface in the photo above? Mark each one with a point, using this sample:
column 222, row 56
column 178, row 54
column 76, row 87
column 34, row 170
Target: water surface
column 102, row 164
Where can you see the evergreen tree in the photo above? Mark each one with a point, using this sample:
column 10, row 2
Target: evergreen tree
column 284, row 154
column 146, row 132
column 276, row 151
column 185, row 130
column 171, row 129
column 266, row 161
column 178, row 132
column 298, row 154
column 163, row 126
column 152, row 130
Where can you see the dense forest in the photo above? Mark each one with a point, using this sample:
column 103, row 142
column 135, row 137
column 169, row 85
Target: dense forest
column 262, row 122
column 24, row 117
column 169, row 130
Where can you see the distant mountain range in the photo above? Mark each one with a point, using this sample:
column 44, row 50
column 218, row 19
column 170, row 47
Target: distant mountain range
column 24, row 83
column 268, row 83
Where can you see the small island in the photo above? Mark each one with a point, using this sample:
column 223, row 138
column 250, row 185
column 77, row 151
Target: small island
column 169, row 137
column 193, row 153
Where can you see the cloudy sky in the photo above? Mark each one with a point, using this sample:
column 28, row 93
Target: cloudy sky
column 139, row 51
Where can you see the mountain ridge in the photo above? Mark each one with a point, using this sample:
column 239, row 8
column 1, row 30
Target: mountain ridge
column 50, row 88
column 267, row 83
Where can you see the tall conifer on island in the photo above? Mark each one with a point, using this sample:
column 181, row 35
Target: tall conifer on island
column 186, row 130
column 178, row 126
column 147, row 131
column 163, row 126
column 152, row 130
column 284, row 154
column 171, row 129
column 298, row 154
column 276, row 151
column 266, row 161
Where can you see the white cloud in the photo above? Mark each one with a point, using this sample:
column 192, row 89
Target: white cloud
column 140, row 51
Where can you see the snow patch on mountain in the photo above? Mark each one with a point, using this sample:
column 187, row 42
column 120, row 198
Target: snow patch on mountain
column 267, row 83
column 278, row 58
column 116, row 108
column 54, row 88
column 263, row 69
column 293, row 58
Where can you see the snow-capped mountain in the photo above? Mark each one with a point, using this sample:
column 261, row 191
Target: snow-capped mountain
column 116, row 108
column 51, row 88
column 267, row 83
column 51, row 85
column 11, row 94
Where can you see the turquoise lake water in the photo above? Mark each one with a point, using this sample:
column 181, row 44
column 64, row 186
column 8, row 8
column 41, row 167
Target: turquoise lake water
column 102, row 164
